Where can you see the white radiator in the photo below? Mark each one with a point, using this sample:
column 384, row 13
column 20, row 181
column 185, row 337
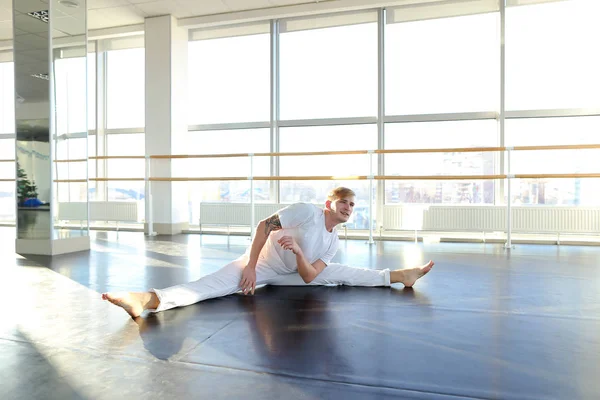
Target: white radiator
column 557, row 219
column 534, row 219
column 120, row 211
column 463, row 218
column 72, row 211
column 235, row 214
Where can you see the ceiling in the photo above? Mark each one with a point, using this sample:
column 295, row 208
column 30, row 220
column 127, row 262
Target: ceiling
column 31, row 34
column 113, row 13
column 31, row 53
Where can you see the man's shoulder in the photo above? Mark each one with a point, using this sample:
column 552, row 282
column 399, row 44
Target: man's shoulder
column 313, row 210
column 301, row 206
column 297, row 214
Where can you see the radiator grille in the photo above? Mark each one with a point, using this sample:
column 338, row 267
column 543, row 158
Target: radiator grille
column 123, row 211
column 492, row 218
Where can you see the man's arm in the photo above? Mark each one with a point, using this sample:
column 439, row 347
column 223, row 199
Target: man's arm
column 306, row 270
column 263, row 230
column 309, row 271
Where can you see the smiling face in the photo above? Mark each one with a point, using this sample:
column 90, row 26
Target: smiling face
column 341, row 209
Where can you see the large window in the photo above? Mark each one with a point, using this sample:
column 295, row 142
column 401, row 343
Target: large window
column 329, row 72
column 127, row 145
column 125, row 81
column 328, row 138
column 226, row 142
column 228, row 80
column 71, row 149
column 551, row 57
column 7, row 145
column 554, row 131
column 71, row 95
column 7, row 189
column 481, row 133
column 91, row 90
column 442, row 65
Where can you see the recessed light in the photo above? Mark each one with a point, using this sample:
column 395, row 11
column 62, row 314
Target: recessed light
column 41, row 76
column 42, row 15
column 69, row 3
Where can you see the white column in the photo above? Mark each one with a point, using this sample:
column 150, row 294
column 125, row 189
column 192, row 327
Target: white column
column 166, row 125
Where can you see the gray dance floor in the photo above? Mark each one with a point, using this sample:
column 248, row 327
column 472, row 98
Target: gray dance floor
column 484, row 324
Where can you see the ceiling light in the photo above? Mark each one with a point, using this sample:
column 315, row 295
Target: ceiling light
column 69, row 3
column 41, row 76
column 41, row 15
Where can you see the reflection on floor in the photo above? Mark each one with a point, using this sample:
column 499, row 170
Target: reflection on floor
column 486, row 323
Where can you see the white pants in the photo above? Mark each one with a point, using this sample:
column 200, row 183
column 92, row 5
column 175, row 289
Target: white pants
column 227, row 281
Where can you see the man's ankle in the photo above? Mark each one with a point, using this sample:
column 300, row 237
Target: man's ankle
column 152, row 302
column 396, row 276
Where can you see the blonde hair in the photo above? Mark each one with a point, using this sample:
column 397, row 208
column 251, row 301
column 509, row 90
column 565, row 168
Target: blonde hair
column 340, row 193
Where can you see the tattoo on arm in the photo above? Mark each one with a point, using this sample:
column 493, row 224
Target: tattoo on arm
column 272, row 224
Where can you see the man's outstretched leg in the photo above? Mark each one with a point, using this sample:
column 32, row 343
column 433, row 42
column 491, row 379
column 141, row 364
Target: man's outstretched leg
column 220, row 283
column 339, row 274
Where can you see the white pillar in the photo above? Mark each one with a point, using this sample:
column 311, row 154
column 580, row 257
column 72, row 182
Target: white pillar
column 166, row 125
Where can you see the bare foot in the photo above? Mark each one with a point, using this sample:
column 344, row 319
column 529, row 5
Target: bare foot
column 133, row 303
column 408, row 276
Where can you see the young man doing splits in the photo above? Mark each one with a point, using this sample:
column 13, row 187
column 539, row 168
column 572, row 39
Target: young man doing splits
column 292, row 247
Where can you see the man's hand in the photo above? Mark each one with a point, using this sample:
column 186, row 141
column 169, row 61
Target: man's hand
column 248, row 282
column 289, row 243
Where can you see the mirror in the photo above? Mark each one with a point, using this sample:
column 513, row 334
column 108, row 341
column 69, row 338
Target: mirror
column 50, row 57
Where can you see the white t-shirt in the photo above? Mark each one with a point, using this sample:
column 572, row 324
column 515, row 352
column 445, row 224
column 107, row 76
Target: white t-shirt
column 306, row 224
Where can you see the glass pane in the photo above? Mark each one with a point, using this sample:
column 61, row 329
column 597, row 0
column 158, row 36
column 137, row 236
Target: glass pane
column 126, row 168
column 92, row 152
column 442, row 65
column 331, row 72
column 551, row 57
column 448, row 134
column 554, row 131
column 225, row 191
column 71, row 112
column 229, row 80
column 563, row 192
column 440, row 192
column 7, row 149
column 7, row 189
column 71, row 149
column 125, row 89
column 226, row 142
column 7, row 170
column 72, row 192
column 7, row 200
column 126, row 144
column 91, row 85
column 7, row 98
column 328, row 138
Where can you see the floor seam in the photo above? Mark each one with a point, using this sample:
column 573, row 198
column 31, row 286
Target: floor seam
column 203, row 341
